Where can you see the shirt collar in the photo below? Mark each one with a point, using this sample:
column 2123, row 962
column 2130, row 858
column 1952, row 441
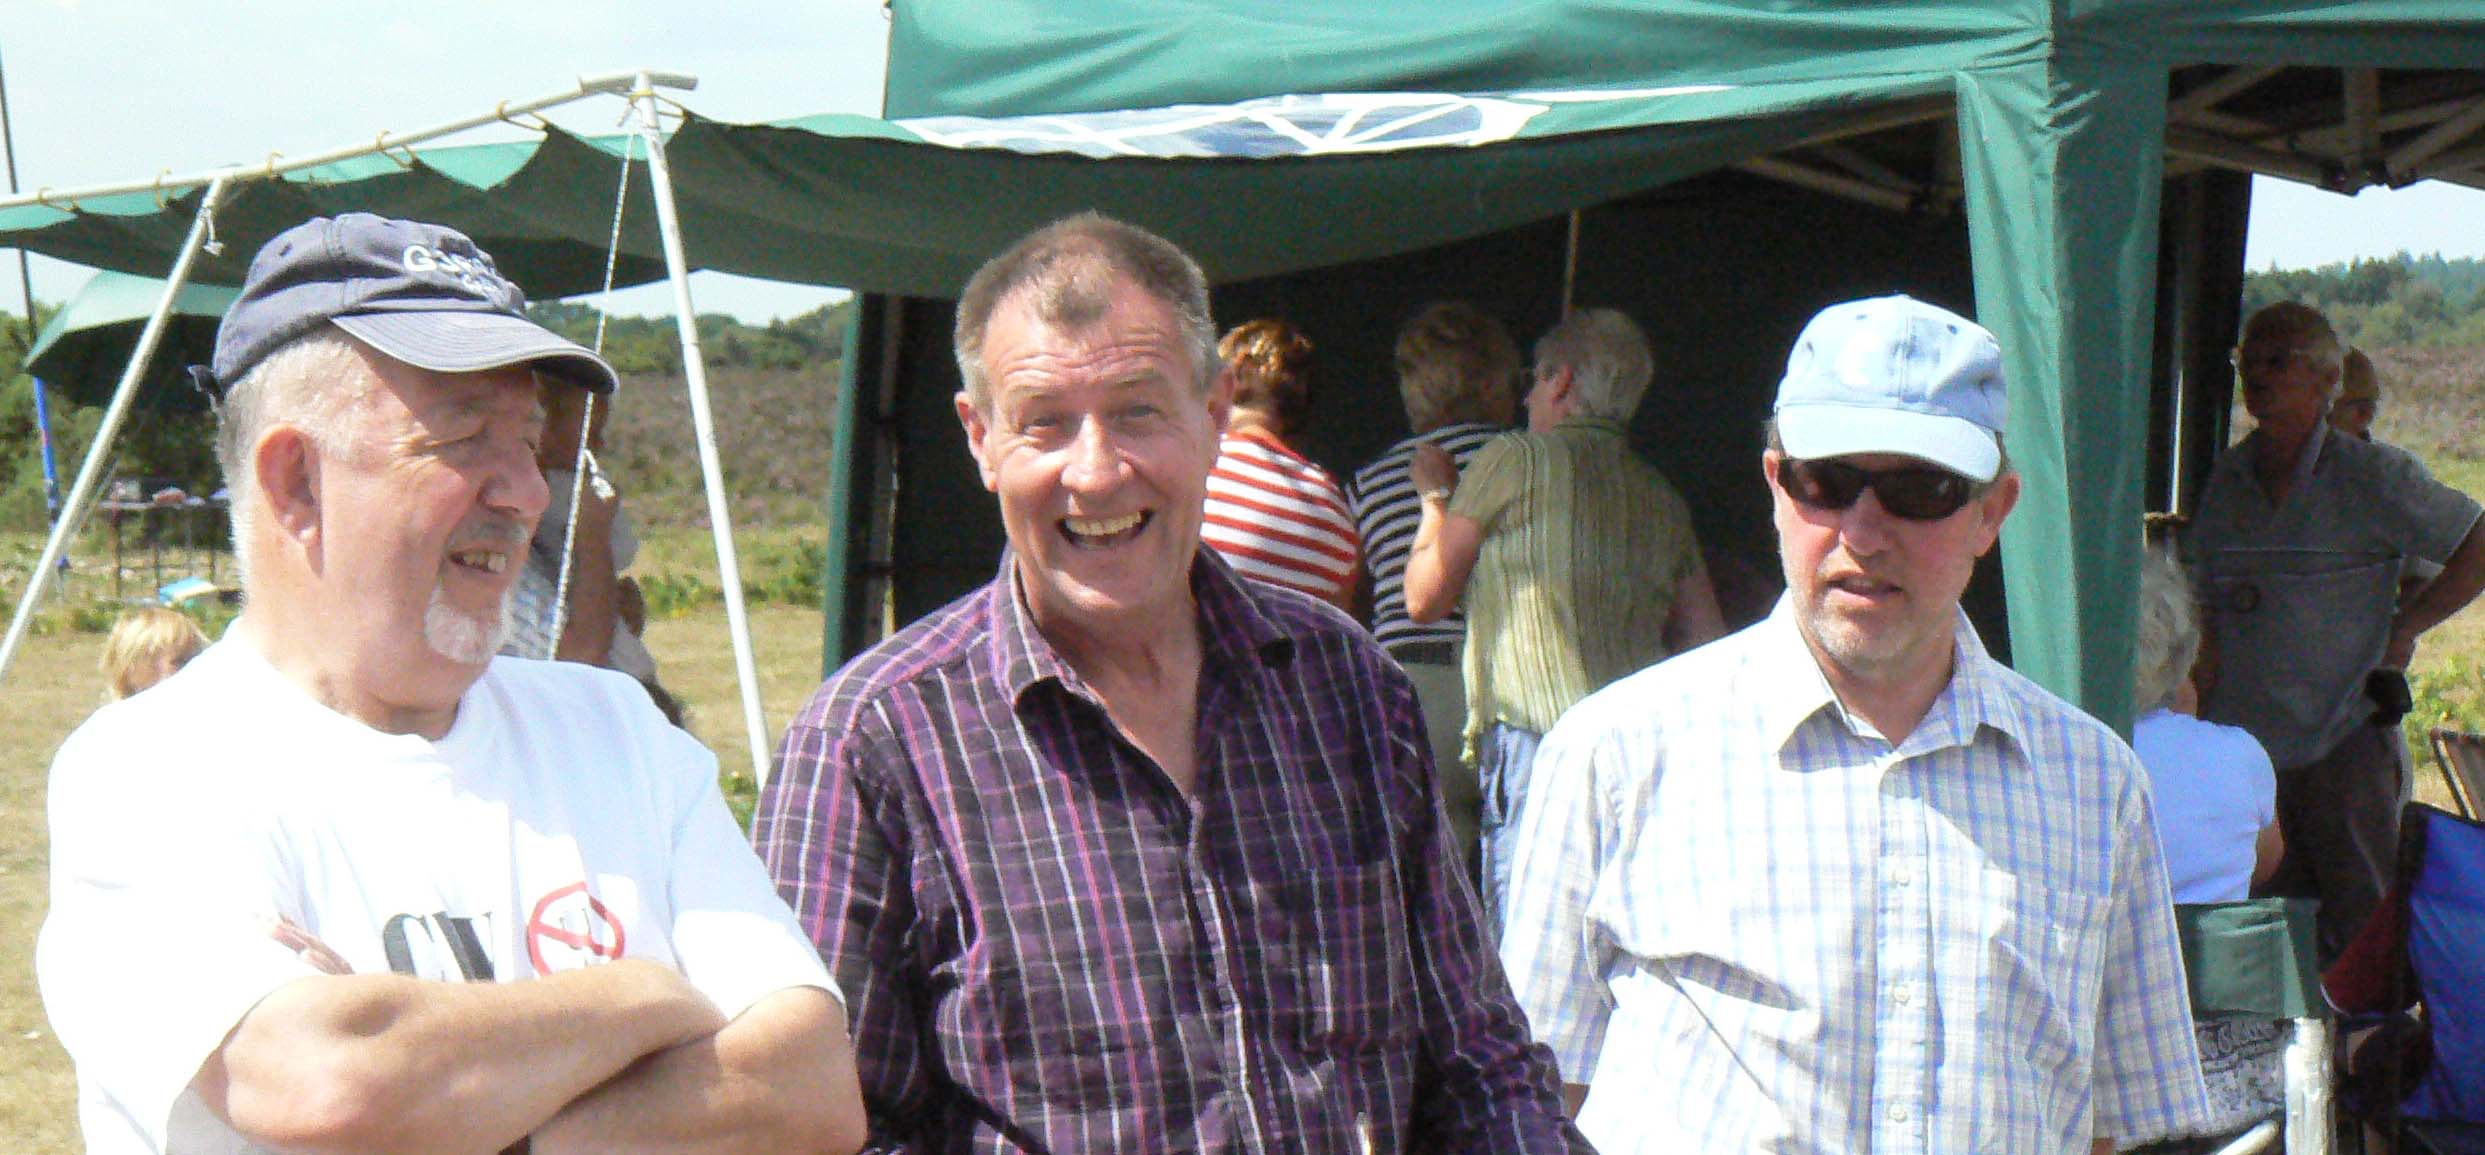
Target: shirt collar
column 1794, row 690
column 1590, row 422
column 2307, row 460
column 1232, row 627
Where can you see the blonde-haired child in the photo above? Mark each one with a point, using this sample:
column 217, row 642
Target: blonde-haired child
column 146, row 646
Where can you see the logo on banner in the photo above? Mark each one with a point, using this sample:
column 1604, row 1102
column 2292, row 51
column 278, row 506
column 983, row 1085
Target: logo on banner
column 571, row 928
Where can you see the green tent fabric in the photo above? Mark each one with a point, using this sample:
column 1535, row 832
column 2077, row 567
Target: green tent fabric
column 2061, row 108
column 84, row 348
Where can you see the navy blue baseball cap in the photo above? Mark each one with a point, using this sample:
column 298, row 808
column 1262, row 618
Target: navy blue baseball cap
column 421, row 293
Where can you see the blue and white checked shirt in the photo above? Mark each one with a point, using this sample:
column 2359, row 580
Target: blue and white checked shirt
column 1750, row 924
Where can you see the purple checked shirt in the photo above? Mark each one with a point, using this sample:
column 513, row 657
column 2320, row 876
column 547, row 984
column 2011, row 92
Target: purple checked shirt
column 1047, row 947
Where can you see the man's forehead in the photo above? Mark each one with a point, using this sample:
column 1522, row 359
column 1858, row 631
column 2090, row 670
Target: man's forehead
column 428, row 392
column 1122, row 348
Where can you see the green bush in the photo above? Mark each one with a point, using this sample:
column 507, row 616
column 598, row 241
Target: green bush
column 676, row 595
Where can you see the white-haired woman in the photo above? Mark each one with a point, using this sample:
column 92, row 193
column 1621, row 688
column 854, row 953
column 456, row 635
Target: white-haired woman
column 2216, row 792
column 2217, row 818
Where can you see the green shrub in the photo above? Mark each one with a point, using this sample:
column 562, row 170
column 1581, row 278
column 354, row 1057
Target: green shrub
column 676, row 595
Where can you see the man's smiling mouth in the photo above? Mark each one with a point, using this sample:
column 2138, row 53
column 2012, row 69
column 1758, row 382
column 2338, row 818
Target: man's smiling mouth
column 1102, row 532
column 488, row 560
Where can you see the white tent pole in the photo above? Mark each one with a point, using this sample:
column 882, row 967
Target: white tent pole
column 616, row 83
column 703, row 426
column 73, row 511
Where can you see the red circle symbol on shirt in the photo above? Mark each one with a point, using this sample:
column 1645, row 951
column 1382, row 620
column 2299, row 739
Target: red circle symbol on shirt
column 571, row 927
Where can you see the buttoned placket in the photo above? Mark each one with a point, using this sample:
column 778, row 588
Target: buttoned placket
column 1210, row 913
column 1903, row 1012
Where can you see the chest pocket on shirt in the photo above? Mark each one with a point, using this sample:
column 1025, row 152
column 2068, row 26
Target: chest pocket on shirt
column 2045, row 961
column 1351, row 962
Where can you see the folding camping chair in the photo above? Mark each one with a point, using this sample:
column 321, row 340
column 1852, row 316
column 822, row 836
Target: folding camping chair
column 2423, row 952
column 2461, row 755
column 2254, row 960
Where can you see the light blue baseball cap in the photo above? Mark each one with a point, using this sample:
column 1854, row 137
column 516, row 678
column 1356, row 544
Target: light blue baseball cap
column 1895, row 375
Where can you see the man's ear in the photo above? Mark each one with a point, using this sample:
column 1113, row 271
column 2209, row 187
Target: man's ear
column 1994, row 508
column 976, row 423
column 287, row 464
column 1221, row 400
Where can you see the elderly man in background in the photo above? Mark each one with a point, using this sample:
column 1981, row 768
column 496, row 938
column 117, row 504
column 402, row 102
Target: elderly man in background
column 349, row 882
column 1457, row 376
column 1843, row 882
column 1576, row 558
column 1120, row 852
column 2302, row 537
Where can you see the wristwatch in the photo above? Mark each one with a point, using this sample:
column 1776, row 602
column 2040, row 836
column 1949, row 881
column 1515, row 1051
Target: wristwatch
column 1439, row 493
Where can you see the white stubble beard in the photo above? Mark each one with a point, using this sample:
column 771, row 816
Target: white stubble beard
column 463, row 636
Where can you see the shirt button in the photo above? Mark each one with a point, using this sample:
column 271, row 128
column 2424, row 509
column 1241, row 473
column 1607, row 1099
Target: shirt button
column 1899, row 1114
column 1904, row 996
column 1902, row 876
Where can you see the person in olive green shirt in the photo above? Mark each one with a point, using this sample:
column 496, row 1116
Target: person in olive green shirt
column 1576, row 559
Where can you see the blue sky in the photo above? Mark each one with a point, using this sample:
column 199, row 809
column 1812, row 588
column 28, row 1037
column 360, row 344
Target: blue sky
column 111, row 90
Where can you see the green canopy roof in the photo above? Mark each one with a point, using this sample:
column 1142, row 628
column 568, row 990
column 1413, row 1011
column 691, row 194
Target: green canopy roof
column 2061, row 112
column 84, row 348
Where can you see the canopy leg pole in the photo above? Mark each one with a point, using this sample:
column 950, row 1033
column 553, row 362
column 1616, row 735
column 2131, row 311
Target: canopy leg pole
column 73, row 511
column 1570, row 266
column 703, row 425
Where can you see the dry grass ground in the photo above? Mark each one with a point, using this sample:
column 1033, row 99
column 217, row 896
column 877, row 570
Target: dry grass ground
column 52, row 685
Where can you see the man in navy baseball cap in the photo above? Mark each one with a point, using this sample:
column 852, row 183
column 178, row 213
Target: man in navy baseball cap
column 426, row 897
column 421, row 293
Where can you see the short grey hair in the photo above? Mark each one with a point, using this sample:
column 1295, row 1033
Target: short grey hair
column 1607, row 355
column 2301, row 327
column 314, row 383
column 1067, row 271
column 2169, row 641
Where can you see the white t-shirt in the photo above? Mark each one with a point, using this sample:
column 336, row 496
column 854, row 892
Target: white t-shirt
column 2215, row 791
column 559, row 823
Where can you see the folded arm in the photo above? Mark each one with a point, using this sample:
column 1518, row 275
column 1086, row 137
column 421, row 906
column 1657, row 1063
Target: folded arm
column 386, row 1062
column 778, row 1078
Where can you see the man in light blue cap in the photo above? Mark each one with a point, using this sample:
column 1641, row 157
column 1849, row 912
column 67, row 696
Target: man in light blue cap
column 1841, row 881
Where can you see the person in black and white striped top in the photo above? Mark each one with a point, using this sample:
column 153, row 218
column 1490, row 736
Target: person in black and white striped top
column 1458, row 375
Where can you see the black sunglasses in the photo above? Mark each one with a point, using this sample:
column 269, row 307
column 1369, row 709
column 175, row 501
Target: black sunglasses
column 1913, row 492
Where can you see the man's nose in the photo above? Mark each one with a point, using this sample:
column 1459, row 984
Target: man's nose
column 517, row 486
column 1095, row 457
column 1865, row 526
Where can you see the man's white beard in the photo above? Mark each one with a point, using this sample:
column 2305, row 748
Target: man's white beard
column 463, row 636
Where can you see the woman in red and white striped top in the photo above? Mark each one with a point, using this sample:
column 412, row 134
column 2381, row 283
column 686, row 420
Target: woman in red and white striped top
column 1272, row 514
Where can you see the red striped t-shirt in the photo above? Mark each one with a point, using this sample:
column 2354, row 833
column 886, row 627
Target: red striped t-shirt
column 1277, row 517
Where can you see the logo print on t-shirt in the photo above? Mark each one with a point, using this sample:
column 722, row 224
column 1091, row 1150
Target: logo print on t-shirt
column 440, row 946
column 571, row 928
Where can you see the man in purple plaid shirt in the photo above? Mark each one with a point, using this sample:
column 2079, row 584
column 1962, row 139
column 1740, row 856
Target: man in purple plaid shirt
column 1122, row 852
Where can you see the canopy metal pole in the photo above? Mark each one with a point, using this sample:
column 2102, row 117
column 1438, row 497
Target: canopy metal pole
column 614, row 84
column 1570, row 265
column 703, row 425
column 73, row 511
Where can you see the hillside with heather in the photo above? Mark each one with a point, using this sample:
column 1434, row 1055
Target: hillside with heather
column 772, row 387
